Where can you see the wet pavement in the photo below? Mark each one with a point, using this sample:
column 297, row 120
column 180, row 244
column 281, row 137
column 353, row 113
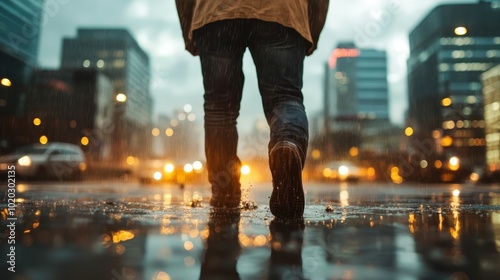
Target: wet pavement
column 126, row 231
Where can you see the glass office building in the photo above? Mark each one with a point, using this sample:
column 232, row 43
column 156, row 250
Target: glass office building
column 20, row 28
column 491, row 95
column 449, row 50
column 116, row 53
column 356, row 96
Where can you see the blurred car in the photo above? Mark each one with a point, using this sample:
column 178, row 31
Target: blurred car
column 53, row 160
column 169, row 171
column 340, row 171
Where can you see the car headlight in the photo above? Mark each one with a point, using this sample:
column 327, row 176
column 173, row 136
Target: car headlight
column 168, row 168
column 197, row 165
column 24, row 161
column 157, row 175
column 343, row 170
column 188, row 168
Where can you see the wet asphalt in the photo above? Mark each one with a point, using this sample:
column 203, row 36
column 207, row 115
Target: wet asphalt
column 120, row 230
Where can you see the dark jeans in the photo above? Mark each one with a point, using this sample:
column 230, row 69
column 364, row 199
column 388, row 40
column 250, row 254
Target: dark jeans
column 278, row 53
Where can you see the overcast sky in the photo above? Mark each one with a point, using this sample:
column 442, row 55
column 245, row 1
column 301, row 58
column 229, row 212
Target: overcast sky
column 176, row 76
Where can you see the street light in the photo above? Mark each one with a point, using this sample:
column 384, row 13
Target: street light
column 121, row 97
column 5, row 82
column 460, row 31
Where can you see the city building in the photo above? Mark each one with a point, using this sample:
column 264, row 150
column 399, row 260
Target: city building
column 19, row 40
column 356, row 95
column 449, row 50
column 491, row 95
column 116, row 53
column 72, row 106
column 20, row 28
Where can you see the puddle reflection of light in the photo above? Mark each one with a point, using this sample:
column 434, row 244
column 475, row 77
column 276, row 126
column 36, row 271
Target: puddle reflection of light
column 120, row 249
column 344, row 198
column 122, row 235
column 411, row 221
column 495, row 220
column 161, row 275
column 21, row 188
column 441, row 219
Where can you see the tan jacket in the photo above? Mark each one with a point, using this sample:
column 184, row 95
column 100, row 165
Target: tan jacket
column 307, row 17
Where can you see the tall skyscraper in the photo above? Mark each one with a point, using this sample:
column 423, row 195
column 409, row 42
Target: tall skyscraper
column 491, row 95
column 19, row 39
column 116, row 53
column 356, row 95
column 449, row 50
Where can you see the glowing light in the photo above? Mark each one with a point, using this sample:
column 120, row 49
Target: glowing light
column 474, row 177
column 343, row 170
column 316, row 154
column 454, row 163
column 161, row 275
column 121, row 97
column 188, row 245
column 24, row 161
column 155, row 132
column 245, row 170
column 84, row 140
column 100, row 63
column 260, row 240
column 130, row 160
column 5, row 82
column 344, row 198
column 424, row 163
column 409, row 131
column 157, row 175
column 327, row 172
column 340, row 53
column 181, row 116
column 188, row 108
column 43, row 139
column 446, row 102
column 169, row 132
column 37, row 121
column 456, row 192
column 174, row 122
column 188, row 167
column 86, row 63
column 191, row 117
column 446, row 141
column 353, row 151
column 438, row 164
column 169, row 168
column 460, row 31
column 197, row 165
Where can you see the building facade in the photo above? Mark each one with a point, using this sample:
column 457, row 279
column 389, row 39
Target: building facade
column 115, row 53
column 491, row 95
column 449, row 50
column 72, row 106
column 356, row 93
column 20, row 28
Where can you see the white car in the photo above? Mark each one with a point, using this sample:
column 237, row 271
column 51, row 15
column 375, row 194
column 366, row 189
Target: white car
column 53, row 160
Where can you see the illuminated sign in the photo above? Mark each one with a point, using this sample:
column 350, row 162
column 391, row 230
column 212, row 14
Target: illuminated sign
column 340, row 53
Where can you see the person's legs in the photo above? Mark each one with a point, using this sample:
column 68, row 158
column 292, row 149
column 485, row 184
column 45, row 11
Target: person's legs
column 278, row 53
column 221, row 46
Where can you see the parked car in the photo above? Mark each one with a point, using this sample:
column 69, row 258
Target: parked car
column 53, row 160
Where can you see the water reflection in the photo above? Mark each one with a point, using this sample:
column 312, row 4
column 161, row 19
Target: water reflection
column 286, row 249
column 222, row 245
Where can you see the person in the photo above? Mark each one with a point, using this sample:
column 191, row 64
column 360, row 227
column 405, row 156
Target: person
column 279, row 34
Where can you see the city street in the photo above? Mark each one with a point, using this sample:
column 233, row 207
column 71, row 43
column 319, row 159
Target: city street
column 125, row 231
